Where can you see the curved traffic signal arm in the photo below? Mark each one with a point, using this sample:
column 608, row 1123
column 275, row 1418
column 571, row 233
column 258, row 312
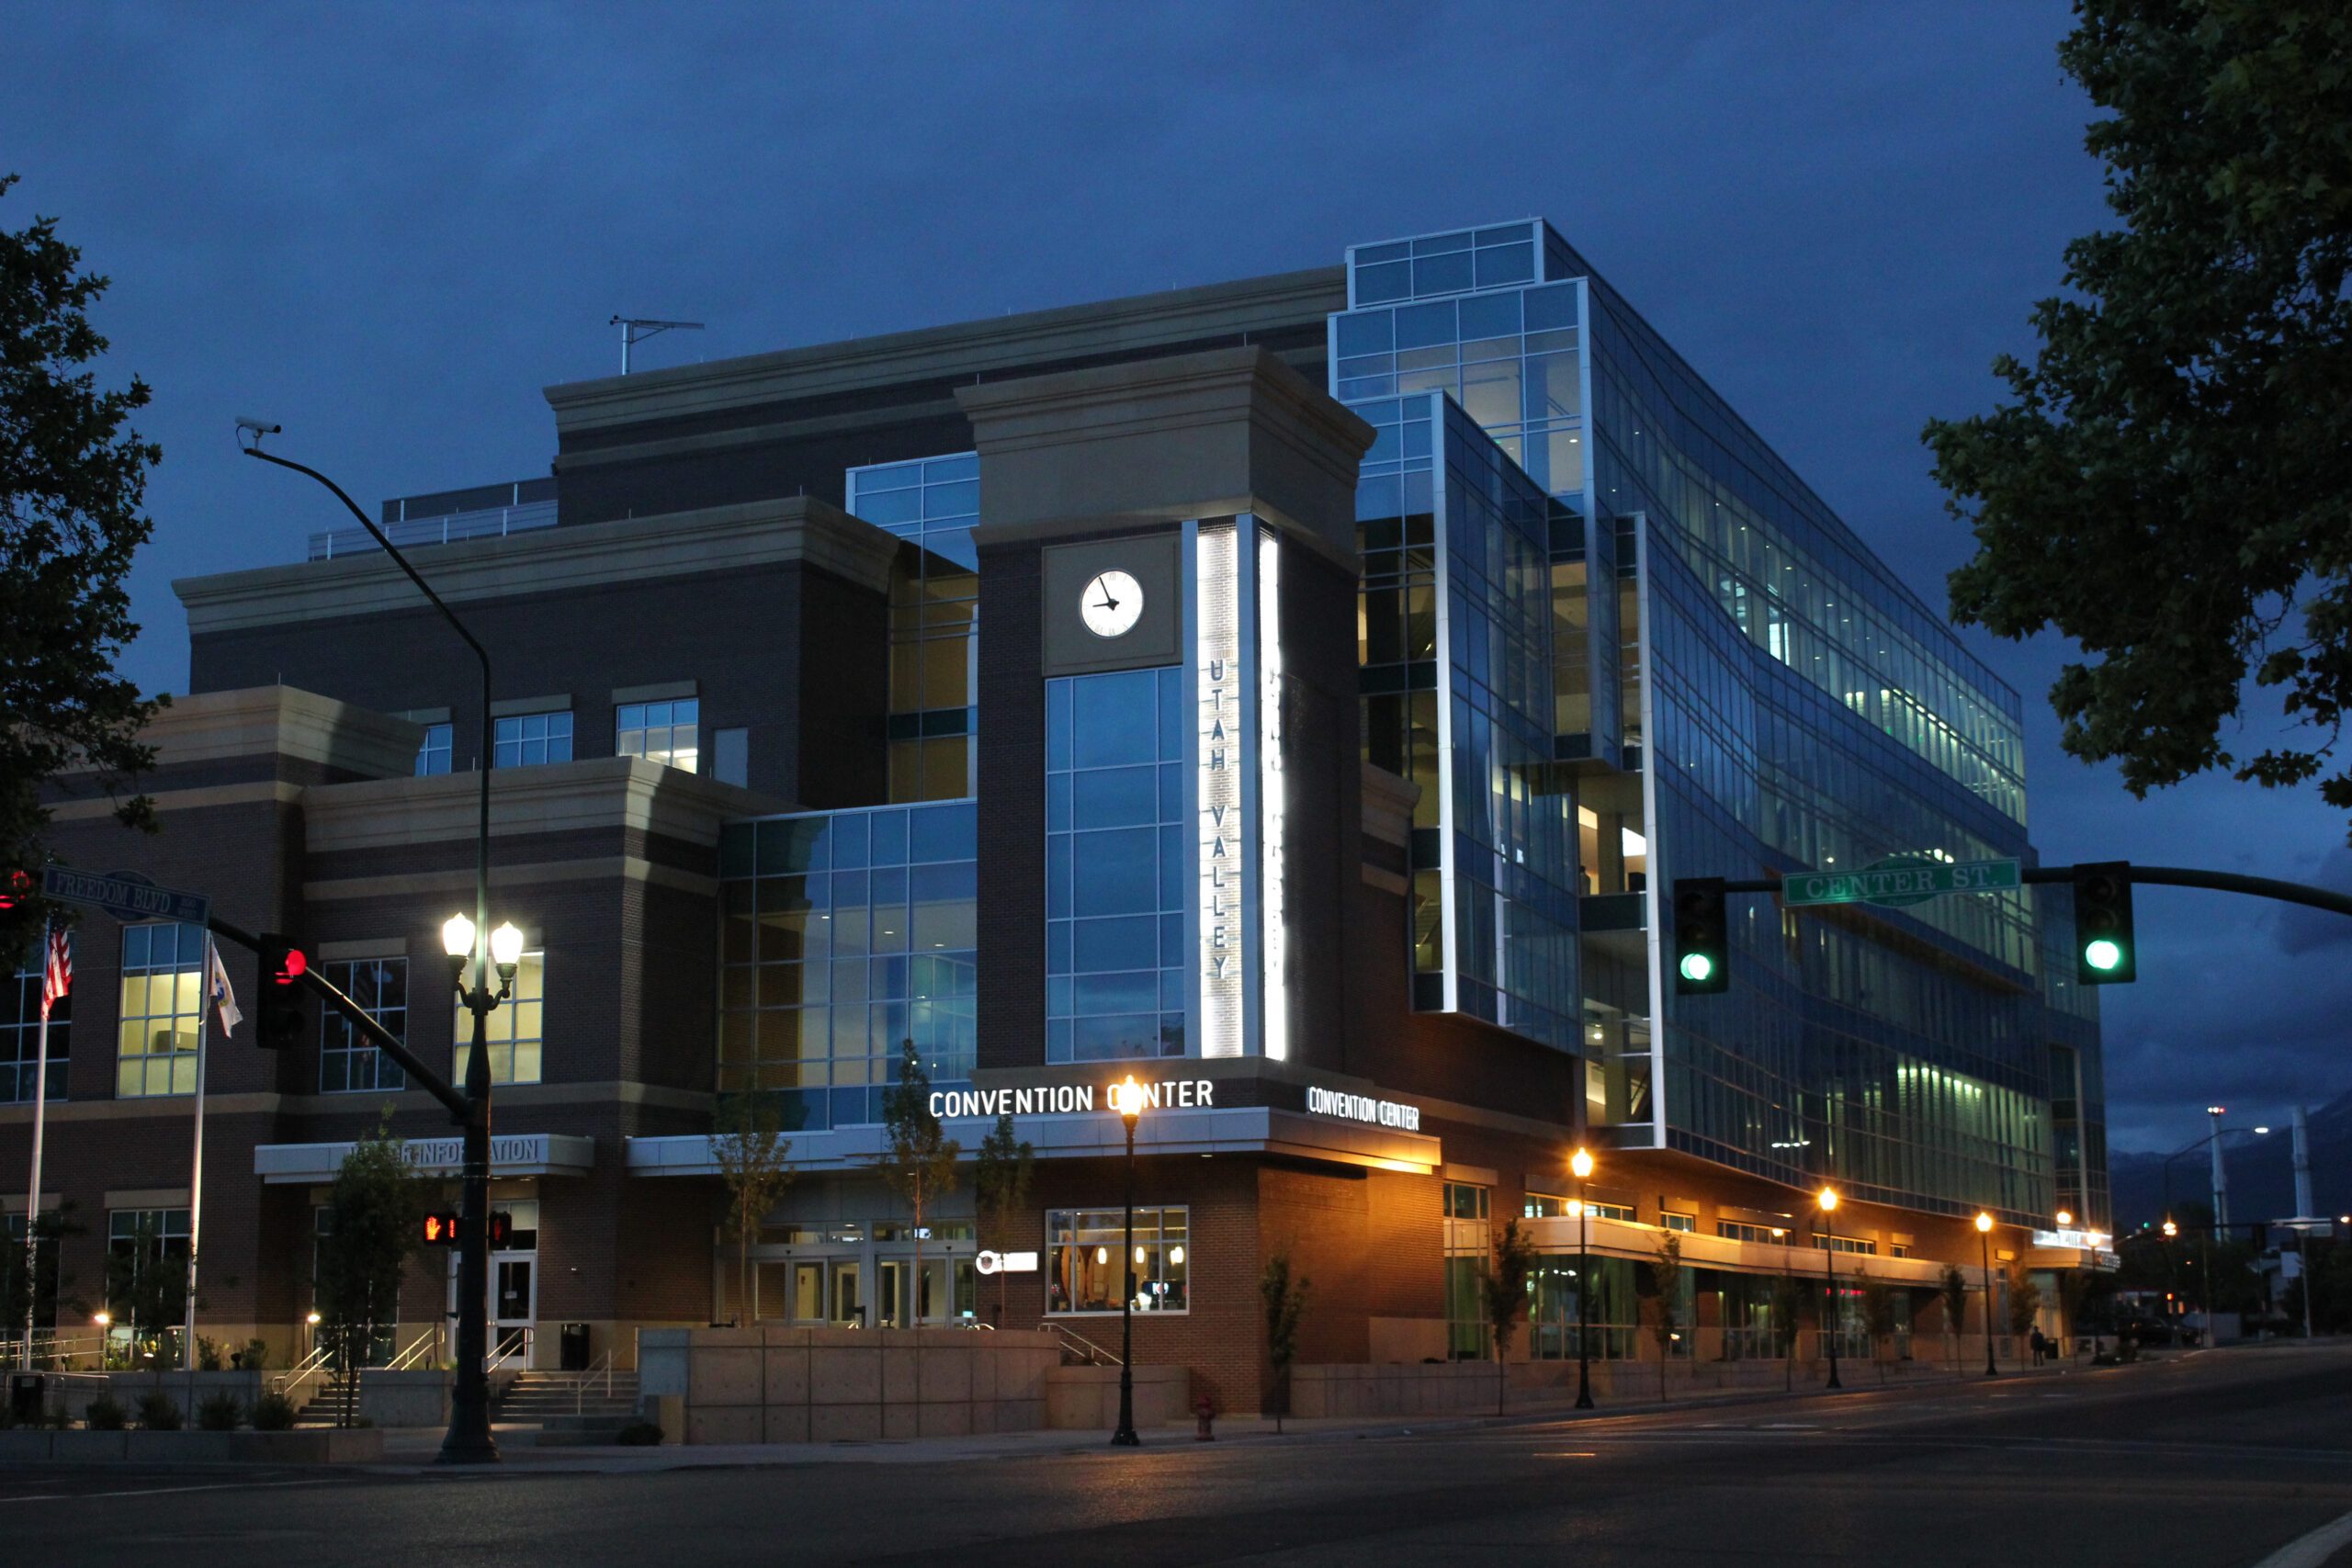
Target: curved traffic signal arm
column 1701, row 937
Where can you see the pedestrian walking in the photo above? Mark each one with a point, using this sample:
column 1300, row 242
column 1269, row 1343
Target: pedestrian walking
column 2041, row 1346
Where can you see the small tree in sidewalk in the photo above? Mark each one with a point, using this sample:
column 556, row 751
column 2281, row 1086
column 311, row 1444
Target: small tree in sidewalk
column 1788, row 1299
column 919, row 1163
column 1952, row 1286
column 2025, row 1301
column 1285, row 1298
column 1505, row 1287
column 1878, row 1314
column 750, row 1148
column 1666, row 1301
column 1001, row 1182
column 372, row 1222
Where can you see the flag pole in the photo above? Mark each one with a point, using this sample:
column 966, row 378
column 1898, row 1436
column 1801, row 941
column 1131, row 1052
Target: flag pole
column 195, row 1175
column 32, row 1199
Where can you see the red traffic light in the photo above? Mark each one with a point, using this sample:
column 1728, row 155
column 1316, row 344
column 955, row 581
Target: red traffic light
column 441, row 1228
column 15, row 887
column 291, row 968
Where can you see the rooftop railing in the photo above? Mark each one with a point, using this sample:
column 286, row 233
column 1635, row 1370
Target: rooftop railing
column 412, row 532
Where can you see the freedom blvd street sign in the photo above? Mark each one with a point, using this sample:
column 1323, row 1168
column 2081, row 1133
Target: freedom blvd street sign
column 125, row 895
column 1893, row 884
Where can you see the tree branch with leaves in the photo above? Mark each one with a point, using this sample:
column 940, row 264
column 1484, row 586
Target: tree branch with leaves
column 749, row 1149
column 919, row 1162
column 1001, row 1174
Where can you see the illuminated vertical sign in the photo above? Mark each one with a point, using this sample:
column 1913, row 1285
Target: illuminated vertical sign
column 1274, row 1018
column 1219, row 754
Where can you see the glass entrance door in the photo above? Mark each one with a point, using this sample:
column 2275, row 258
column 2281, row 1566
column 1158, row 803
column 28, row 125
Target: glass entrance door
column 808, row 1293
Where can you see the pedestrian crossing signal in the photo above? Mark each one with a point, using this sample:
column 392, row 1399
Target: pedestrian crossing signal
column 441, row 1228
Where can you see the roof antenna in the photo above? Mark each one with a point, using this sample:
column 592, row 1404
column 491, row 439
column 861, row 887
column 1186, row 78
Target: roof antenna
column 637, row 329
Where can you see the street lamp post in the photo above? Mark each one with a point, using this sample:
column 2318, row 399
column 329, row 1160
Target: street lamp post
column 1985, row 1254
column 1828, row 1201
column 1582, row 1165
column 469, row 1440
column 1126, row 1099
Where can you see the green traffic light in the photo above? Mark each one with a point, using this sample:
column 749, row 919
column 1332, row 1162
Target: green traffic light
column 1697, row 966
column 2102, row 954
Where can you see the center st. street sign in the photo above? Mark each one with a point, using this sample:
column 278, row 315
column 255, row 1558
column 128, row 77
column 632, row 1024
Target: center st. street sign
column 1895, row 884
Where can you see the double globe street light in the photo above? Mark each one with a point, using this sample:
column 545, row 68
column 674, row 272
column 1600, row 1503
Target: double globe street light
column 458, row 935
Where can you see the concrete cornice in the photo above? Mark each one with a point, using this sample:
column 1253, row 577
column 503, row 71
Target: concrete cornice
column 603, row 792
column 965, row 350
column 1218, row 432
column 632, row 549
column 282, row 721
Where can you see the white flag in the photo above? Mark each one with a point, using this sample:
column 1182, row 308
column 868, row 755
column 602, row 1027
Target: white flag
column 222, row 997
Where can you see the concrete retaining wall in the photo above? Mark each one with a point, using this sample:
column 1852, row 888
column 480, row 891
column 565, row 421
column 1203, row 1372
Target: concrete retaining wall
column 1087, row 1398
column 1469, row 1388
column 800, row 1385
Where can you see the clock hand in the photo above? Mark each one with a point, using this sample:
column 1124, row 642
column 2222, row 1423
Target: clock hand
column 1109, row 603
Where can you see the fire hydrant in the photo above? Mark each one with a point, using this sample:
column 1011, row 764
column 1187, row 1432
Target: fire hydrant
column 1204, row 1412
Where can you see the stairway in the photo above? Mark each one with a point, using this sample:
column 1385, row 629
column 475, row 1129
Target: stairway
column 323, row 1403
column 568, row 1414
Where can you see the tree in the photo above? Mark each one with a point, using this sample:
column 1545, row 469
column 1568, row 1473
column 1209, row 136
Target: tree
column 1286, row 1300
column 920, row 1164
column 1878, row 1313
column 2024, row 1300
column 1666, row 1300
column 373, row 1218
column 749, row 1149
column 1505, row 1288
column 1952, row 1286
column 72, row 475
column 1001, row 1179
column 1788, row 1299
column 2172, row 486
column 30, row 1276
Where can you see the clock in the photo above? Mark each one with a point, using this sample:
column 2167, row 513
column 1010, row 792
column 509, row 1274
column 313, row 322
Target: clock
column 1111, row 603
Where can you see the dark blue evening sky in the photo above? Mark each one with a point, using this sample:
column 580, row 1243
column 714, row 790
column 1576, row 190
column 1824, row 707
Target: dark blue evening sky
column 390, row 228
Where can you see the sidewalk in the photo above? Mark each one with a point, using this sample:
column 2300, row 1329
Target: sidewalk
column 413, row 1448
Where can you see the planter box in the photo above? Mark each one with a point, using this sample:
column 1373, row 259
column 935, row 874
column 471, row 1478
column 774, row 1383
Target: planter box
column 359, row 1446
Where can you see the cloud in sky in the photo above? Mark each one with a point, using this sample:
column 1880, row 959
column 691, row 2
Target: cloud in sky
column 390, row 228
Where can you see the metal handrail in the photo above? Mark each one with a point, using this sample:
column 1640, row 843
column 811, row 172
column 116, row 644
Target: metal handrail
column 289, row 1380
column 11, row 1351
column 416, row 1354
column 520, row 1346
column 1079, row 1343
column 581, row 1381
column 488, row 522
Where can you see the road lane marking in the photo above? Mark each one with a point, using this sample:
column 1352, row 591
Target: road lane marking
column 166, row 1491
column 2311, row 1550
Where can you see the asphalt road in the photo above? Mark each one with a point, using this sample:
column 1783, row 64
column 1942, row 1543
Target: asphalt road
column 2220, row 1458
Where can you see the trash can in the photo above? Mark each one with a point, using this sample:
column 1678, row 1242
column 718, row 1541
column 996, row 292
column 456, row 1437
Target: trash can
column 28, row 1400
column 572, row 1343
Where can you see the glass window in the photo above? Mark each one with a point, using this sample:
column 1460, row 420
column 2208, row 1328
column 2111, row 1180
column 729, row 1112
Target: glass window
column 1736, row 1230
column 1085, row 1273
column 155, row 1045
column 433, row 754
column 347, row 1063
column 1602, row 1211
column 514, row 1029
column 1115, row 866
column 1687, row 1223
column 143, row 1238
column 1464, row 1202
column 20, row 1031
column 659, row 732
column 1543, row 1206
column 526, row 740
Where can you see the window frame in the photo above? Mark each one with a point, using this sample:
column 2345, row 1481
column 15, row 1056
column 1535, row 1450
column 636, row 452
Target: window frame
column 634, row 740
column 22, row 1065
column 1154, row 1268
column 352, row 1050
column 556, row 731
column 500, row 1031
column 187, row 971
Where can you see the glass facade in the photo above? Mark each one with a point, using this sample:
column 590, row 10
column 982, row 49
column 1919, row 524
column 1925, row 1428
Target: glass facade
column 931, row 503
column 1731, row 682
column 845, row 934
column 1084, row 1271
column 1115, row 866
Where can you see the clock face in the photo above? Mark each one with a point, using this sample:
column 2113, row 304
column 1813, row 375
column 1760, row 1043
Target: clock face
column 1111, row 603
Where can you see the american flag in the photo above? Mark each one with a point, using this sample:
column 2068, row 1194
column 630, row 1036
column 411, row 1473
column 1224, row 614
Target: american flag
column 57, row 977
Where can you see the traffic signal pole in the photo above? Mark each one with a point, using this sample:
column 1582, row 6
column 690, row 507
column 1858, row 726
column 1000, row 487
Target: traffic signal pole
column 2151, row 875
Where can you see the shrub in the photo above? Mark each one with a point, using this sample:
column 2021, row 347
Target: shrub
column 105, row 1415
column 219, row 1413
column 207, row 1354
column 256, row 1356
column 157, row 1413
column 640, row 1435
column 58, row 1419
column 273, row 1413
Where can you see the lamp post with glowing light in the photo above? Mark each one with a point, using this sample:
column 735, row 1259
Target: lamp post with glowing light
column 1581, row 1163
column 1126, row 1099
column 470, row 1401
column 1985, row 1252
column 1828, row 1201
